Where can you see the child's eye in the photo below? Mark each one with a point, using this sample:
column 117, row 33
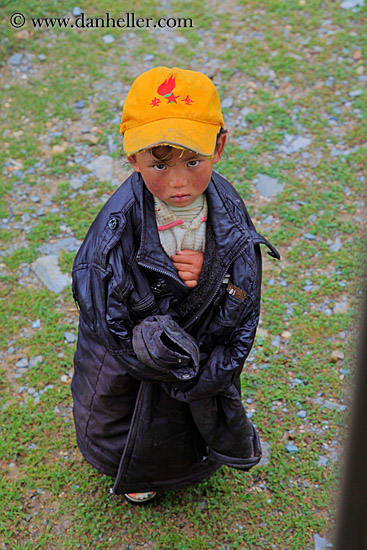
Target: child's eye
column 159, row 167
column 193, row 163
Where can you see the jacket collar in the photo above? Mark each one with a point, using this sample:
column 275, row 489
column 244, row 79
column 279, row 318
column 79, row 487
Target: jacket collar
column 225, row 214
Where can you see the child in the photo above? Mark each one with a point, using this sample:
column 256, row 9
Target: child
column 168, row 285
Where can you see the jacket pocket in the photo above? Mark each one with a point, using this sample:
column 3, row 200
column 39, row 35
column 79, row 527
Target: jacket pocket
column 231, row 311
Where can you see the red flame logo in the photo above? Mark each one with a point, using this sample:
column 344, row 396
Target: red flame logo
column 167, row 86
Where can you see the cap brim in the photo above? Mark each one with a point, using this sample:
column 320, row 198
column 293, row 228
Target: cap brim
column 197, row 136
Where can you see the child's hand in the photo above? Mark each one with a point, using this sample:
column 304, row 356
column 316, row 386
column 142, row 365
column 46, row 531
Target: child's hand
column 189, row 264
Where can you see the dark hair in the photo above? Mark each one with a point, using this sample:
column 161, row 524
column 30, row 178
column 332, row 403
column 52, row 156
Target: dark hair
column 163, row 153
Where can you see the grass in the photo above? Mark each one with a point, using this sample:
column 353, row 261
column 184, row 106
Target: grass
column 49, row 497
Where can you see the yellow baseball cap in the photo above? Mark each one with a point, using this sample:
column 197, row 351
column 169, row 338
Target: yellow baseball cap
column 171, row 106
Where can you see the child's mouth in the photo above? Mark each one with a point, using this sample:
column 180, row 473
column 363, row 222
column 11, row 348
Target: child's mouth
column 180, row 198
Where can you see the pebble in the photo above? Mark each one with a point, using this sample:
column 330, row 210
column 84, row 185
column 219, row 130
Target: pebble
column 323, row 461
column 336, row 356
column 111, row 145
column 302, row 414
column 351, row 4
column 266, row 448
column 149, row 57
column 320, row 543
column 16, row 59
column 36, row 324
column 22, row 363
column 34, row 198
column 79, row 104
column 267, row 186
column 42, row 57
column 180, row 40
column 309, row 236
column 71, row 244
column 69, row 337
column 47, row 270
column 77, row 11
column 355, row 93
column 108, row 39
column 329, row 404
column 34, row 361
column 102, row 167
column 227, row 103
column 291, row 448
column 292, row 144
column 342, row 306
column 336, row 245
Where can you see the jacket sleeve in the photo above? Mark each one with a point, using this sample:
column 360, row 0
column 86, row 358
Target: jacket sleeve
column 103, row 306
column 224, row 363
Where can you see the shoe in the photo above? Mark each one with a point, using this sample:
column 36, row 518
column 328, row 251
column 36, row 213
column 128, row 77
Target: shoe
column 140, row 498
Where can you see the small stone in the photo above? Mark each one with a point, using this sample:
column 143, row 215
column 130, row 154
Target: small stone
column 180, row 40
column 34, row 361
column 149, row 57
column 22, row 363
column 323, row 461
column 64, row 378
column 33, row 447
column 320, row 543
column 293, row 144
column 77, row 11
column 336, row 356
column 36, row 323
column 108, row 39
column 34, row 198
column 26, row 218
column 329, row 404
column 16, row 59
column 267, row 186
column 91, row 138
column 351, row 4
column 286, row 334
column 22, row 35
column 291, row 448
column 357, row 55
column 47, row 270
column 227, row 103
column 309, row 236
column 276, row 342
column 79, row 104
column 102, row 167
column 355, row 93
column 69, row 337
column 31, row 391
column 42, row 57
column 337, row 245
column 246, row 111
column 76, row 183
column 58, row 149
column 342, row 306
column 111, row 145
column 360, row 70
column 266, row 447
column 301, row 414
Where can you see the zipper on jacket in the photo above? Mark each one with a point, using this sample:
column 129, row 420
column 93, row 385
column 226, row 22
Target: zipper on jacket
column 129, row 441
column 207, row 304
column 162, row 272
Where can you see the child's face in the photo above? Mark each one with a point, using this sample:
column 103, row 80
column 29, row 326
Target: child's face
column 180, row 180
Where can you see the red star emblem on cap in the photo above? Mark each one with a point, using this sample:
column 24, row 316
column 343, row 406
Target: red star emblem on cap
column 172, row 98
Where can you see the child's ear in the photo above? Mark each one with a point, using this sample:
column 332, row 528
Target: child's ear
column 133, row 163
column 219, row 148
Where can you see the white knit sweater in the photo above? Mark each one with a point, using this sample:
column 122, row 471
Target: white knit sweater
column 181, row 227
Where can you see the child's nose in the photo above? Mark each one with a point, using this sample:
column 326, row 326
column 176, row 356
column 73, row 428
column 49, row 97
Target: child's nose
column 178, row 180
